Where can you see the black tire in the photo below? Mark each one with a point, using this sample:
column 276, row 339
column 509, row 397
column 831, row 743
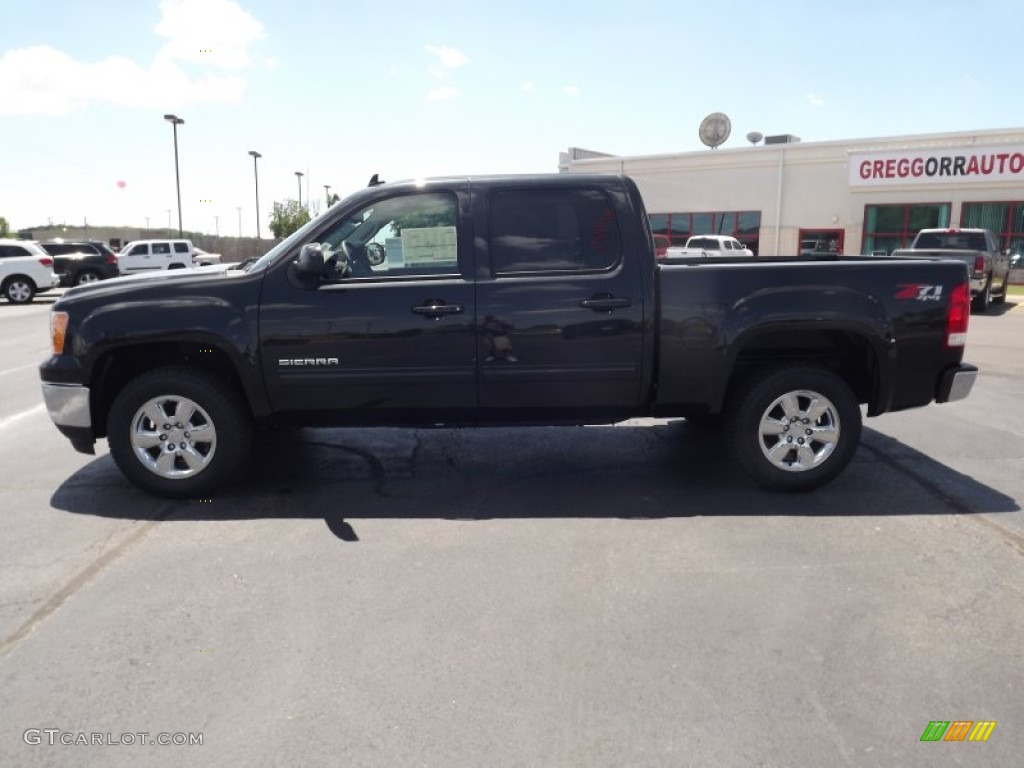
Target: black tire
column 981, row 302
column 199, row 466
column 87, row 276
column 779, row 461
column 19, row 289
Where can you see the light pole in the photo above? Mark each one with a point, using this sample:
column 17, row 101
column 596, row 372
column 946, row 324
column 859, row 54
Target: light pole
column 299, row 175
column 175, row 121
column 239, row 222
column 327, row 192
column 256, row 174
column 168, row 222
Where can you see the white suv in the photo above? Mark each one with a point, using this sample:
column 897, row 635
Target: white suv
column 149, row 255
column 25, row 269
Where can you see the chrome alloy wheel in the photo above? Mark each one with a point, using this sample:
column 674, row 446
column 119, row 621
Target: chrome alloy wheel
column 173, row 437
column 799, row 430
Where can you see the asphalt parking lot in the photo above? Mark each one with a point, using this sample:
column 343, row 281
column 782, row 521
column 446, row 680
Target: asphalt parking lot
column 596, row 596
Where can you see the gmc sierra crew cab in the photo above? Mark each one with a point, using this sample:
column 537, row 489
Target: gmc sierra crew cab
column 500, row 301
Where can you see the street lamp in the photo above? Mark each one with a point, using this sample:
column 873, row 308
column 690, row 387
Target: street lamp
column 175, row 121
column 256, row 174
column 327, row 191
column 299, row 175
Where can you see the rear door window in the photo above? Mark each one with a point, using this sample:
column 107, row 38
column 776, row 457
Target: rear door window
column 181, row 247
column 570, row 230
column 161, row 248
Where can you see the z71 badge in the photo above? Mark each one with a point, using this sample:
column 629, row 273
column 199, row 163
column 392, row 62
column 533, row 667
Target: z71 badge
column 920, row 292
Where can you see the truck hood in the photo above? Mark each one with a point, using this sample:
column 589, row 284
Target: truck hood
column 119, row 287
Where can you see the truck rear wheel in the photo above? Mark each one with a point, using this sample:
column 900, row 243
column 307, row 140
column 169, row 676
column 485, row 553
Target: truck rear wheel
column 795, row 428
column 178, row 432
column 983, row 299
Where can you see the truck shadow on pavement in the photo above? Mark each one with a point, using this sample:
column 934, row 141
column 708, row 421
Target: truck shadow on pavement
column 632, row 472
column 1003, row 307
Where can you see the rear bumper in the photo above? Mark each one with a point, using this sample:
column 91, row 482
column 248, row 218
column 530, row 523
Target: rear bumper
column 956, row 383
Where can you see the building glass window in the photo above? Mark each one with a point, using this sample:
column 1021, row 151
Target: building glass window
column 659, row 223
column 680, row 230
column 702, row 224
column 887, row 227
column 1006, row 220
column 745, row 226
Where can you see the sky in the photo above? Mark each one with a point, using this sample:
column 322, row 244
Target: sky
column 339, row 91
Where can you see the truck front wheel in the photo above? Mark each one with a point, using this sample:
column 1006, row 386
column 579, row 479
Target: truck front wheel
column 795, row 428
column 178, row 432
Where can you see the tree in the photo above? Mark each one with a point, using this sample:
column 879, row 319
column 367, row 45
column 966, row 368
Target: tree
column 287, row 217
column 5, row 228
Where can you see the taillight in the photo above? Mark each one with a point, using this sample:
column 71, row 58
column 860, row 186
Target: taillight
column 979, row 263
column 45, row 261
column 111, row 258
column 957, row 316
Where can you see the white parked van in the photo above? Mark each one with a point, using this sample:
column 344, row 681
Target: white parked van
column 148, row 255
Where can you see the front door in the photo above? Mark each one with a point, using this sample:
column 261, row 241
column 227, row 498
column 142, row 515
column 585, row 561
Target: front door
column 389, row 337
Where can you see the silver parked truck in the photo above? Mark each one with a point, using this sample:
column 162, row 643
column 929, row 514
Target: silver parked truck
column 987, row 263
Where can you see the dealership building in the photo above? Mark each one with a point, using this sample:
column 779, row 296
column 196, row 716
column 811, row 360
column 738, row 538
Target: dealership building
column 862, row 196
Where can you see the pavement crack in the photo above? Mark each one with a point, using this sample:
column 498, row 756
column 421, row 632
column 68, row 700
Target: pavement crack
column 1012, row 538
column 77, row 582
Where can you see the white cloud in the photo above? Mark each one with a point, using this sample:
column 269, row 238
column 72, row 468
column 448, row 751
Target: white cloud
column 814, row 100
column 448, row 58
column 213, row 34
column 528, row 86
column 442, row 94
column 571, row 90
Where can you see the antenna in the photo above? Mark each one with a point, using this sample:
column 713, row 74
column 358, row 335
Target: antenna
column 754, row 137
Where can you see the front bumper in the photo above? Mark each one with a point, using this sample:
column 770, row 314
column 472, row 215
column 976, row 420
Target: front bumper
column 956, row 383
column 68, row 406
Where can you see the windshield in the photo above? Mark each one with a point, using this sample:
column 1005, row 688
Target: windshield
column 960, row 241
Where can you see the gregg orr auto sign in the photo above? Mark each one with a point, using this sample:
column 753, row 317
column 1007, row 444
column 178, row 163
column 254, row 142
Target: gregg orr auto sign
column 962, row 165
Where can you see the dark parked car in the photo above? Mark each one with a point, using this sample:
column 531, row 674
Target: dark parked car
column 78, row 263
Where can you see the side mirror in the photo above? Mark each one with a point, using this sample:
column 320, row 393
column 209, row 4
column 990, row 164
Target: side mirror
column 308, row 267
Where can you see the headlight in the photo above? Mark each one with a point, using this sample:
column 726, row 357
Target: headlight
column 58, row 331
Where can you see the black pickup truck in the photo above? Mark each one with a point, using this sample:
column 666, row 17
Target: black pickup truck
column 500, row 301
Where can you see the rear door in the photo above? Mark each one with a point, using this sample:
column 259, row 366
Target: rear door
column 561, row 310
